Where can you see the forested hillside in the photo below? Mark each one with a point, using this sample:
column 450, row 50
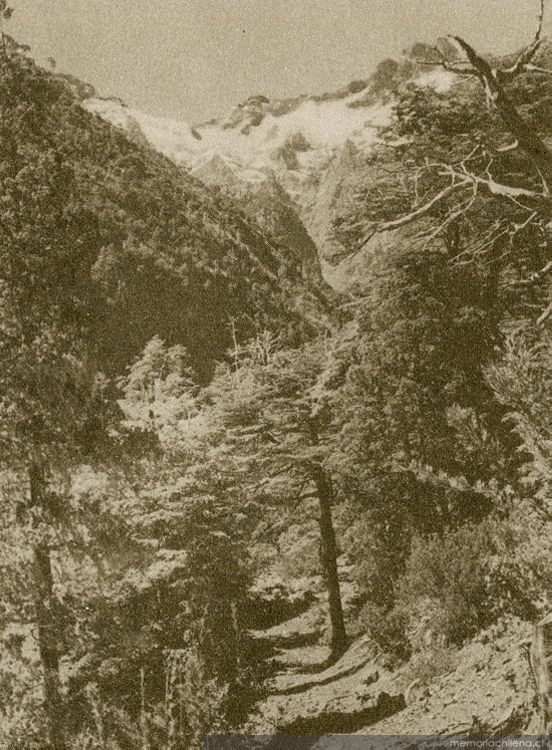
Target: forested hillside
column 220, row 478
column 137, row 225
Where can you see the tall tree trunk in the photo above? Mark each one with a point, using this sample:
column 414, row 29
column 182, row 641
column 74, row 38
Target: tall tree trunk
column 46, row 621
column 328, row 558
column 541, row 663
column 171, row 698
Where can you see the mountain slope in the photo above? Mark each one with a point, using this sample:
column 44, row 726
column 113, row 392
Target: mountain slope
column 307, row 146
column 265, row 200
column 159, row 252
column 257, row 133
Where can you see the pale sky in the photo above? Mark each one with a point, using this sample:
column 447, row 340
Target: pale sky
column 194, row 59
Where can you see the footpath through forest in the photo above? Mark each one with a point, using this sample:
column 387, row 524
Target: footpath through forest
column 487, row 688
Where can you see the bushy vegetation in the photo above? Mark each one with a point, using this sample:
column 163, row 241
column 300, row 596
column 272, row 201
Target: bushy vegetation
column 168, row 411
column 456, row 584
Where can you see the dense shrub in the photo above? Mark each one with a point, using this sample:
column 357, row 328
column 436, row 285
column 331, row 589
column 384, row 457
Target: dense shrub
column 454, row 585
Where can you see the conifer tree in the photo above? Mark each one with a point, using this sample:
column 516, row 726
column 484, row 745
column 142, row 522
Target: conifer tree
column 275, row 417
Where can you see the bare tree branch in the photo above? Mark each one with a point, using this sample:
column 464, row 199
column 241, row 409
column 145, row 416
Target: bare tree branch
column 462, row 179
column 505, row 149
column 421, row 211
column 524, row 60
column 537, row 69
column 545, row 315
column 459, row 68
column 505, row 191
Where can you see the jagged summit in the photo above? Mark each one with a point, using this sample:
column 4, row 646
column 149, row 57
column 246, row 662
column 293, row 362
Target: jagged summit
column 260, row 132
column 303, row 143
column 254, row 131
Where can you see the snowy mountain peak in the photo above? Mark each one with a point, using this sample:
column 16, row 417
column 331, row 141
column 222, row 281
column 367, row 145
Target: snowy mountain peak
column 279, row 157
column 258, row 133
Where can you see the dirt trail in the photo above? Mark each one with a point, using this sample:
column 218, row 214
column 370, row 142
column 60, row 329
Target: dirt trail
column 489, row 690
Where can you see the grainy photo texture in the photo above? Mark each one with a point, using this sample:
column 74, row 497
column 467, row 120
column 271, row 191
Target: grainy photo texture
column 275, row 374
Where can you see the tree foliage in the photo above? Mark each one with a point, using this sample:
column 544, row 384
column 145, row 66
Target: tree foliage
column 167, row 413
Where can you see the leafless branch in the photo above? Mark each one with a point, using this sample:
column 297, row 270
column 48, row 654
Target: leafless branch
column 453, row 215
column 462, row 179
column 512, row 147
column 493, row 235
column 421, row 211
column 460, row 68
column 517, row 228
column 537, row 69
column 523, row 61
column 466, row 71
column 545, row 315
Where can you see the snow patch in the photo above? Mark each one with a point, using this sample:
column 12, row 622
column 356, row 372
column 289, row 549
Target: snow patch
column 325, row 126
column 439, row 80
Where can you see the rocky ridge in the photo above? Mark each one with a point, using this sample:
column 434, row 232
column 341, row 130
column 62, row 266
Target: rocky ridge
column 291, row 156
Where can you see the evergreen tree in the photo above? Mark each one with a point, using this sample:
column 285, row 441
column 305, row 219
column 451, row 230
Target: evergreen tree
column 273, row 409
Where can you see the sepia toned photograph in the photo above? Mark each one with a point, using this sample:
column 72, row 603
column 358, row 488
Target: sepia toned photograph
column 275, row 374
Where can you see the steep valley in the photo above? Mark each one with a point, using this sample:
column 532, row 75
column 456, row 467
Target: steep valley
column 275, row 412
column 288, row 160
